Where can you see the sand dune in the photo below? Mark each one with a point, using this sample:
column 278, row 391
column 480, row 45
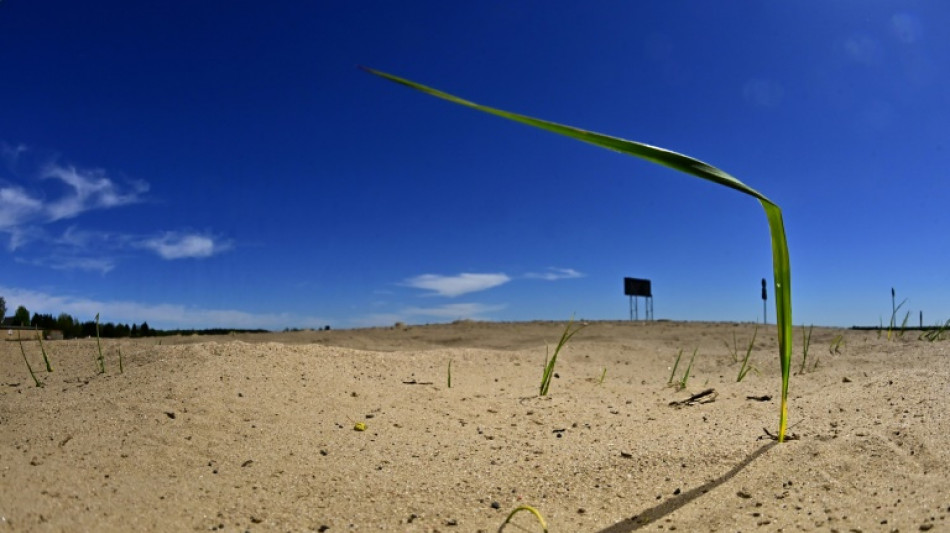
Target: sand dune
column 256, row 433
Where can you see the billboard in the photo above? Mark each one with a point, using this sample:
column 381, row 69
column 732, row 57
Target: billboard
column 637, row 287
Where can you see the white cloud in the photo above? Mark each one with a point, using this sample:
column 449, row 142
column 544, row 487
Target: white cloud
column 457, row 285
column 162, row 316
column 455, row 311
column 554, row 274
column 174, row 245
column 93, row 264
column 90, row 190
column 16, row 207
column 86, row 191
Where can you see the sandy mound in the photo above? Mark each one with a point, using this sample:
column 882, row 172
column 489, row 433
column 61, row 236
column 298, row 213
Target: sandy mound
column 256, row 433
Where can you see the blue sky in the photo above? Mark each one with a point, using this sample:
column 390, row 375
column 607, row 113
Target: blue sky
column 205, row 164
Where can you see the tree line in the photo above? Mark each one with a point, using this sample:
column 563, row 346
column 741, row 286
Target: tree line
column 72, row 328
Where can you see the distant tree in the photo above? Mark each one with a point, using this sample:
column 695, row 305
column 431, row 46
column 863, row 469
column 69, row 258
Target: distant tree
column 22, row 316
column 135, row 331
column 123, row 330
column 146, row 331
column 3, row 309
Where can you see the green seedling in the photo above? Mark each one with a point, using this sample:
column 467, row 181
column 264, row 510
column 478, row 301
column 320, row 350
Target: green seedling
column 689, row 367
column 681, row 384
column 780, row 262
column 676, row 363
column 449, row 378
column 893, row 323
column 835, row 346
column 27, row 361
column 746, row 367
column 39, row 337
column 549, row 364
column 900, row 334
column 603, row 375
column 101, row 361
column 937, row 333
column 121, row 370
column 806, row 342
column 532, row 510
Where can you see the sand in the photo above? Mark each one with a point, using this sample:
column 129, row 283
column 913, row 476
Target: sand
column 256, row 433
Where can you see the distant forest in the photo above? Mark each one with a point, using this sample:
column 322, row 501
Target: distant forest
column 72, row 328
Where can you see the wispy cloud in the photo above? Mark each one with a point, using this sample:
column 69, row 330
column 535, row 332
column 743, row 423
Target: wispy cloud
column 454, row 311
column 85, row 191
column 90, row 264
column 174, row 245
column 163, row 316
column 554, row 274
column 452, row 286
column 90, row 190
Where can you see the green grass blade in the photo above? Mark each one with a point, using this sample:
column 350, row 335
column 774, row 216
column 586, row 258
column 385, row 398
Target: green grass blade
column 27, row 361
column 39, row 337
column 549, row 365
column 689, row 165
column 675, row 364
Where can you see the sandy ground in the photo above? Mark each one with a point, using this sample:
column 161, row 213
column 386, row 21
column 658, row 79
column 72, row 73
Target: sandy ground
column 256, row 433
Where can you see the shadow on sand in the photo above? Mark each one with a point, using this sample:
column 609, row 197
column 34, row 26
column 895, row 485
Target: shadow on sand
column 653, row 514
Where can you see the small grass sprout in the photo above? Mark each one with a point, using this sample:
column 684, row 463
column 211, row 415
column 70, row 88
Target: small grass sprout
column 689, row 367
column 806, row 342
column 900, row 334
column 449, row 377
column 121, row 369
column 39, row 337
column 676, row 363
column 781, row 269
column 746, row 367
column 681, row 384
column 28, row 367
column 549, row 364
column 532, row 510
column 937, row 332
column 603, row 375
column 101, row 361
column 892, row 325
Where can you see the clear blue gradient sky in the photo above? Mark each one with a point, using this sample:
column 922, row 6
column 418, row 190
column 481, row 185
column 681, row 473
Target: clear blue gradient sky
column 205, row 164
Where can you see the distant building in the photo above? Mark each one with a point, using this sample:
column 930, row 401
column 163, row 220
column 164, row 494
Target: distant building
column 28, row 333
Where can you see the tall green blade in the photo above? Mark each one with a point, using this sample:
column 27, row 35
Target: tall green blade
column 689, row 165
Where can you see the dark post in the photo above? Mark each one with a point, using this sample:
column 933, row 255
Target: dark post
column 765, row 297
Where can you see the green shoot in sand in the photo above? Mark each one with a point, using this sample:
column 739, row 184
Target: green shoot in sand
column 676, row 363
column 100, row 362
column 532, row 510
column 549, row 365
column 746, row 366
column 780, row 262
column 806, row 342
column 39, row 337
column 27, row 361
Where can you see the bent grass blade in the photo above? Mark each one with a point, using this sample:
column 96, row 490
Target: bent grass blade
column 549, row 364
column 677, row 161
column 532, row 510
